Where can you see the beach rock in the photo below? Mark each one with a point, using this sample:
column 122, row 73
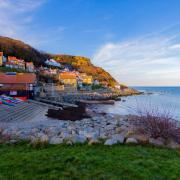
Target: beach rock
column 156, row 142
column 69, row 142
column 52, row 131
column 110, row 142
column 79, row 139
column 141, row 138
column 103, row 135
column 23, row 135
column 131, row 141
column 118, row 129
column 109, row 127
column 92, row 135
column 66, row 135
column 34, row 130
column 56, row 140
column 129, row 133
column 119, row 138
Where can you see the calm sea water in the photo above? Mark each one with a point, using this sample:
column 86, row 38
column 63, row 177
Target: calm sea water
column 161, row 98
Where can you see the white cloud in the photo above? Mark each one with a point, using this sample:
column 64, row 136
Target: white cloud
column 150, row 60
column 17, row 21
column 175, row 46
column 16, row 16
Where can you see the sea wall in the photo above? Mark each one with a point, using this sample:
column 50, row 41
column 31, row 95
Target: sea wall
column 72, row 97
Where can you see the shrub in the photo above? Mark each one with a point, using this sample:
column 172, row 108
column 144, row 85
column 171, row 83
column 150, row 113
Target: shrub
column 158, row 122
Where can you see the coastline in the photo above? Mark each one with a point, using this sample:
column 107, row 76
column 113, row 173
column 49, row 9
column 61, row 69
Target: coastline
column 98, row 127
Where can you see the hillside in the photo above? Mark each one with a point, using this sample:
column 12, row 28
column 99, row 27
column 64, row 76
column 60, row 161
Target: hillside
column 84, row 65
column 12, row 47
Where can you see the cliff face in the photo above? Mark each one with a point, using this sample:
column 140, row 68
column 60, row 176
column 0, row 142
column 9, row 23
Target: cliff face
column 12, row 47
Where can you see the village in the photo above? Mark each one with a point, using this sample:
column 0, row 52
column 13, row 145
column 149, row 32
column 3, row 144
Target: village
column 25, row 80
column 48, row 87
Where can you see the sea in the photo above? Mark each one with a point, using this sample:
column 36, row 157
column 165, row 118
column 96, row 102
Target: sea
column 160, row 99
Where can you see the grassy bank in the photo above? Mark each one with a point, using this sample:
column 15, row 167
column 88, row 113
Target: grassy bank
column 83, row 162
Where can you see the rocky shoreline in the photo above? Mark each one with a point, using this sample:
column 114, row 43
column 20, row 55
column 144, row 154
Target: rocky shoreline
column 96, row 127
column 108, row 129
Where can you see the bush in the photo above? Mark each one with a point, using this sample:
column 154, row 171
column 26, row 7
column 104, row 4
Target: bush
column 156, row 122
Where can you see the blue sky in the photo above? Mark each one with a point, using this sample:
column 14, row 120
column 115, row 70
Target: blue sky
column 137, row 41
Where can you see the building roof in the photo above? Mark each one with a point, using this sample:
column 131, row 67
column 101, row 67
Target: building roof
column 26, row 78
column 29, row 64
column 12, row 58
column 67, row 75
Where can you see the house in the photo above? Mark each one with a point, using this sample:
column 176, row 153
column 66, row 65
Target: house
column 53, row 71
column 117, row 86
column 96, row 82
column 20, row 85
column 21, row 64
column 13, row 62
column 30, row 67
column 88, row 80
column 69, row 79
column 53, row 63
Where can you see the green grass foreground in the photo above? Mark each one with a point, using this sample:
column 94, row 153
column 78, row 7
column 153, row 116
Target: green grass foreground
column 88, row 162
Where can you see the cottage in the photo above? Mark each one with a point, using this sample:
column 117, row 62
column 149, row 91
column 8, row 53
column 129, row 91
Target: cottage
column 69, row 79
column 13, row 62
column 21, row 64
column 30, row 67
column 18, row 84
column 53, row 63
column 86, row 79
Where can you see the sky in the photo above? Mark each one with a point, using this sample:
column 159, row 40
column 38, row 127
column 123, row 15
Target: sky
column 136, row 41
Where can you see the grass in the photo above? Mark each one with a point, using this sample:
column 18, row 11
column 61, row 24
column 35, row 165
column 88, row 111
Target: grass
column 88, row 162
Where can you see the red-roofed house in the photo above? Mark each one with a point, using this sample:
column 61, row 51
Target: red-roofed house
column 18, row 85
column 13, row 62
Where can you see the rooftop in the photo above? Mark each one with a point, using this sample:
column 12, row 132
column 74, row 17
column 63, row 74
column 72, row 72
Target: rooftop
column 28, row 78
column 67, row 75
